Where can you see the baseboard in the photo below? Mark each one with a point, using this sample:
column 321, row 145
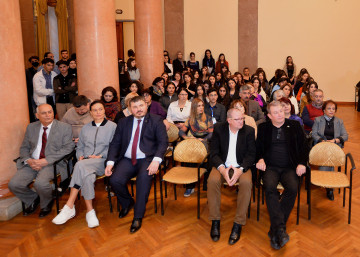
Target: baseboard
column 346, row 103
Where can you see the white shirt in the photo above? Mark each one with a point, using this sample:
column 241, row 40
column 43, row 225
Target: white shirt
column 175, row 114
column 231, row 156
column 139, row 153
column 36, row 154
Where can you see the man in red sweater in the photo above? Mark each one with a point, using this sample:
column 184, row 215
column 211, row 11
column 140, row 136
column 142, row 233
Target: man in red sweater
column 313, row 110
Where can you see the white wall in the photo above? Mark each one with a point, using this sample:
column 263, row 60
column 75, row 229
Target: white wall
column 211, row 25
column 322, row 36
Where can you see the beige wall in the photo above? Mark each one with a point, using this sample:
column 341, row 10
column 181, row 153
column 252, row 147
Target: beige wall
column 127, row 6
column 129, row 37
column 322, row 36
column 203, row 29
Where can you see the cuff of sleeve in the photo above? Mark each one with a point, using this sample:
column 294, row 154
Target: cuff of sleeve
column 25, row 162
column 110, row 163
column 158, row 159
column 220, row 166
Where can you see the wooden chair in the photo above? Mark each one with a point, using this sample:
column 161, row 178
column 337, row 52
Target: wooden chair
column 330, row 154
column 189, row 151
column 66, row 159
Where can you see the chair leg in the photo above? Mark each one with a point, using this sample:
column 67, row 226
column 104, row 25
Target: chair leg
column 262, row 195
column 198, row 200
column 161, row 198
column 132, row 188
column 23, row 207
column 298, row 202
column 258, row 203
column 117, row 204
column 249, row 208
column 56, row 191
column 309, row 201
column 155, row 199
column 109, row 195
column 339, row 170
column 350, row 195
column 344, row 196
column 175, row 191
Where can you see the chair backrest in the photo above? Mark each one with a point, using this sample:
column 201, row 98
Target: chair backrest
column 173, row 133
column 190, row 151
column 327, row 154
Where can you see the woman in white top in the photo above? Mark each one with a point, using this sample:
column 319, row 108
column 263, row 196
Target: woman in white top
column 179, row 111
column 288, row 90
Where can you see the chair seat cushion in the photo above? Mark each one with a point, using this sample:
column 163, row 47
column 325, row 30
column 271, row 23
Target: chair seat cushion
column 329, row 179
column 183, row 175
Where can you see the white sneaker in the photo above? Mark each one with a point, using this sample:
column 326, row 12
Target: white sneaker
column 65, row 214
column 91, row 219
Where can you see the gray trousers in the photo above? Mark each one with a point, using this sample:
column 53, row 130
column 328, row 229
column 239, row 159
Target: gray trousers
column 19, row 185
column 84, row 176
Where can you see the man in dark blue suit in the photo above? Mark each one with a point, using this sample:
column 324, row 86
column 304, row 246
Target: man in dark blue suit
column 137, row 149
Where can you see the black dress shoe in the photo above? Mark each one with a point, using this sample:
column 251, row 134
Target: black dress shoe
column 135, row 225
column 32, row 207
column 45, row 211
column 125, row 211
column 283, row 237
column 215, row 230
column 274, row 242
column 330, row 194
column 235, row 234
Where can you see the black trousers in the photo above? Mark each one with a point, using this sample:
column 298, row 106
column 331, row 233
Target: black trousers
column 123, row 172
column 279, row 210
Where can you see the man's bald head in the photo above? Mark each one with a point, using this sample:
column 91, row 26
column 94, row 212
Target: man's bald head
column 45, row 114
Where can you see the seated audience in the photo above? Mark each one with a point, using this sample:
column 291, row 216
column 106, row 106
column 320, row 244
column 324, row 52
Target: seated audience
column 134, row 72
column 289, row 110
column 166, row 78
column 78, row 115
column 126, row 111
column 198, row 125
column 328, row 128
column 204, row 74
column 256, row 93
column 313, row 110
column 45, row 142
column 177, row 80
column 233, row 92
column 288, row 91
column 178, row 64
column 43, row 84
column 265, row 87
column 154, row 107
column 179, row 111
column 214, row 109
column 110, row 100
column 232, row 150
column 168, row 67
column 124, row 79
column 91, row 158
column 308, row 95
column 189, row 84
column 131, row 155
column 169, row 97
column 224, row 97
column 65, row 88
column 290, row 69
column 200, row 93
column 246, row 76
column 301, row 79
column 280, row 84
column 282, row 155
column 134, row 87
column 278, row 94
column 158, row 88
column 252, row 107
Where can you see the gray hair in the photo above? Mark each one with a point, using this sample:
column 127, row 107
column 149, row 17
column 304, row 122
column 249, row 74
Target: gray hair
column 278, row 94
column 230, row 112
column 244, row 88
column 37, row 108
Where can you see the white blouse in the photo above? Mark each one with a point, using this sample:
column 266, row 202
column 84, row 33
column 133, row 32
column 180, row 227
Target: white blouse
column 174, row 112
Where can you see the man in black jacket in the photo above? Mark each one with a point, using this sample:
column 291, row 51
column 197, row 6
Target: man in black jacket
column 282, row 154
column 232, row 150
column 137, row 149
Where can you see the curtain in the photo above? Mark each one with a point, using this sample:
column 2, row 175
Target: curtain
column 62, row 15
column 41, row 6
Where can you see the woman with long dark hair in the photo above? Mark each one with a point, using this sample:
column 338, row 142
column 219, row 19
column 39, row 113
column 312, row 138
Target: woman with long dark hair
column 290, row 69
column 209, row 61
column 221, row 62
column 134, row 72
column 157, row 89
column 188, row 84
column 308, row 96
column 124, row 79
column 224, row 97
column 192, row 63
column 110, row 100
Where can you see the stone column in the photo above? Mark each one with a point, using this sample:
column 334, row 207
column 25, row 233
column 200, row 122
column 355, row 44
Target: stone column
column 149, row 45
column 95, row 38
column 13, row 97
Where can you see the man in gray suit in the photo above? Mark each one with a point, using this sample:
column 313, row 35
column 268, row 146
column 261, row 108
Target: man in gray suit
column 45, row 142
column 253, row 107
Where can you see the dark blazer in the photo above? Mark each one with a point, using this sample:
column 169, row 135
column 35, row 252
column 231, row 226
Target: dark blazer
column 295, row 138
column 177, row 66
column 153, row 138
column 245, row 145
column 59, row 142
column 219, row 112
